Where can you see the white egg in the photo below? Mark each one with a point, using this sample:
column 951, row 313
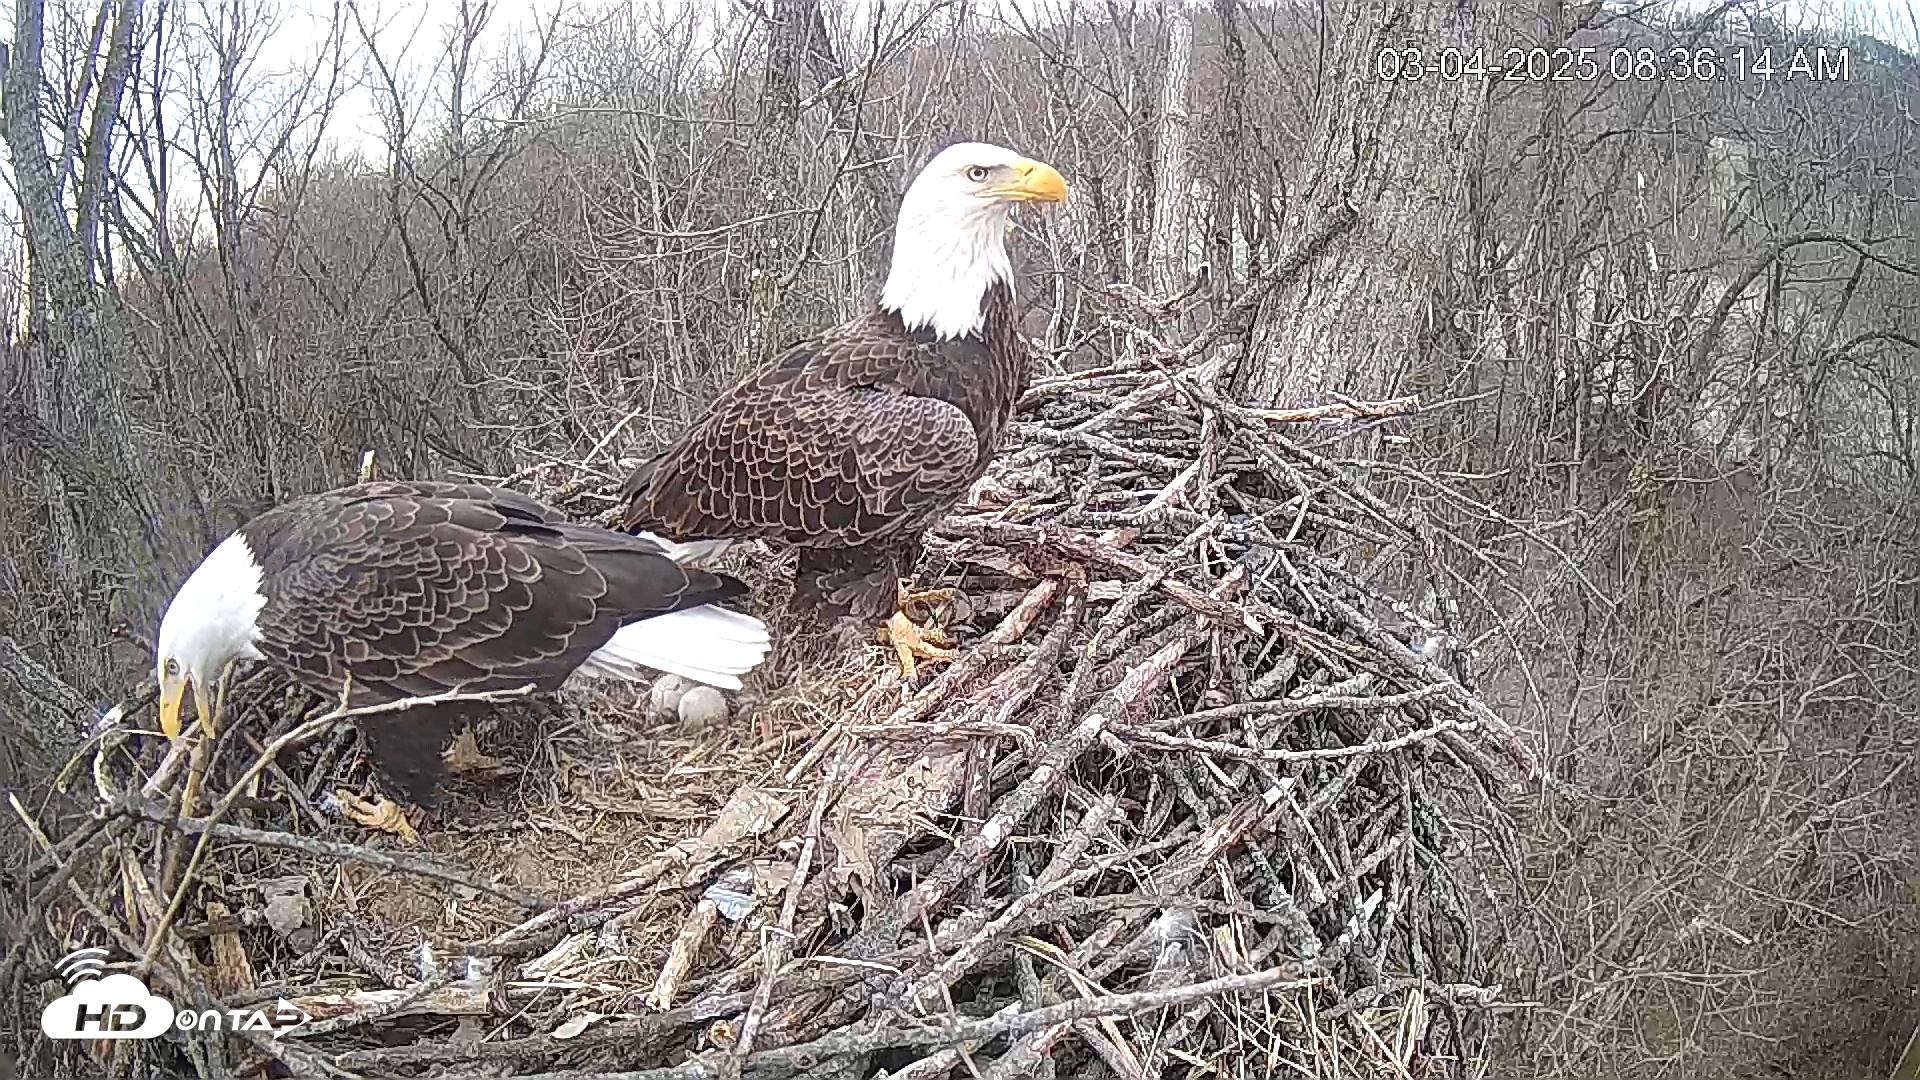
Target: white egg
column 663, row 702
column 703, row 706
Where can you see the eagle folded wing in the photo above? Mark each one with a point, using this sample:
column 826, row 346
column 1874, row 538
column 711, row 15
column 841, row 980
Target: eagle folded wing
column 810, row 466
column 420, row 596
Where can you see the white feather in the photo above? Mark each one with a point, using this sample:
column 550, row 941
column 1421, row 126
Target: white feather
column 692, row 551
column 215, row 615
column 706, row 644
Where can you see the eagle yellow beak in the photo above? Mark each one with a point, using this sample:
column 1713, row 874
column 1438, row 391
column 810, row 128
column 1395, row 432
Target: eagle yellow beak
column 171, row 694
column 1035, row 181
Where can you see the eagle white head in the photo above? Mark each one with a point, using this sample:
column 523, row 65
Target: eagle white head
column 950, row 243
column 210, row 623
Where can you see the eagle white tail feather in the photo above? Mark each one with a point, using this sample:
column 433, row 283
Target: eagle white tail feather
column 706, row 644
column 692, row 551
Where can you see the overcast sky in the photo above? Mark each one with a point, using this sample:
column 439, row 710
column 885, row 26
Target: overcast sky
column 417, row 30
column 412, row 34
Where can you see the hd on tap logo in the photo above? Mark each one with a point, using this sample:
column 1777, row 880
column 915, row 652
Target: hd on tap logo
column 119, row 1006
column 101, row 1006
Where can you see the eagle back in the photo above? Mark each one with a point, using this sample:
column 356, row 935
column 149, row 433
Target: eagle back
column 418, row 592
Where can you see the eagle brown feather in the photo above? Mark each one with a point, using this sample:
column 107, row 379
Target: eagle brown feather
column 415, row 589
column 847, row 447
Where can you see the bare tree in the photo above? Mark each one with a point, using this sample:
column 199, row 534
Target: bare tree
column 67, row 413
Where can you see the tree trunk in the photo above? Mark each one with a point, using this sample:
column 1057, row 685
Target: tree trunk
column 59, row 275
column 1401, row 152
column 106, row 113
column 1168, row 247
column 1231, row 140
column 803, row 70
column 798, row 44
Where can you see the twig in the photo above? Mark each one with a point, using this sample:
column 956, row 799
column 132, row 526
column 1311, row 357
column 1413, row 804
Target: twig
column 777, row 940
column 334, row 1012
column 44, row 686
column 1305, row 704
column 686, row 945
column 1344, row 409
column 134, row 806
column 860, row 1038
column 1161, row 741
column 971, row 856
column 1252, row 617
column 637, row 881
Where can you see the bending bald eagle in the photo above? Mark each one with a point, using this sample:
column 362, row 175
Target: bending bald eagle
column 851, row 444
column 419, row 588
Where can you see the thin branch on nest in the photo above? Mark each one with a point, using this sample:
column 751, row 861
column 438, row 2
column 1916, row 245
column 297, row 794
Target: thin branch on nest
column 1214, row 747
column 861, row 1039
column 399, row 862
column 777, row 940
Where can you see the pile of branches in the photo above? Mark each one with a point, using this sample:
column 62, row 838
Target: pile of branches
column 1206, row 791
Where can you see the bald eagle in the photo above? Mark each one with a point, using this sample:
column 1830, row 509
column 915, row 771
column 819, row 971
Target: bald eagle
column 403, row 589
column 849, row 445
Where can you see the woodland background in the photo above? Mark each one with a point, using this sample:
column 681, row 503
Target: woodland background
column 1667, row 333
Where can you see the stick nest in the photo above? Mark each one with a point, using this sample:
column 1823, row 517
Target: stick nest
column 1208, row 791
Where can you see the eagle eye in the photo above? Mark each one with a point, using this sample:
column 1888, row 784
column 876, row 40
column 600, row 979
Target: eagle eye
column 173, row 666
column 977, row 173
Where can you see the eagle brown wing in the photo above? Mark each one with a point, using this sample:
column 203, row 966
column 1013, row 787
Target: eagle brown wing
column 417, row 589
column 419, row 595
column 845, row 440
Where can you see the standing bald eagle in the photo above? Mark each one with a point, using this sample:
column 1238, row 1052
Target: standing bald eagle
column 418, row 588
column 851, row 444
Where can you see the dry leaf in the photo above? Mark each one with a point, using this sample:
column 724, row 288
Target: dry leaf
column 889, row 803
column 852, row 869
column 378, row 812
column 286, row 903
column 464, row 756
column 578, row 1024
column 750, row 812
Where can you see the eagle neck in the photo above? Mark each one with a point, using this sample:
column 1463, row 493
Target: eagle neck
column 940, row 277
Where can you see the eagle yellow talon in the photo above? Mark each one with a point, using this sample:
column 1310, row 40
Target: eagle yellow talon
column 911, row 641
